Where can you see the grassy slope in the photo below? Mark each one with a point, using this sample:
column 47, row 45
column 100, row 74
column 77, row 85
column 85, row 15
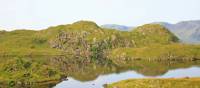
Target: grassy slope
column 157, row 52
column 24, row 42
column 150, row 34
column 154, row 42
column 157, row 83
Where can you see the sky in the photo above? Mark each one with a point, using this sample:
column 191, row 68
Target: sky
column 40, row 14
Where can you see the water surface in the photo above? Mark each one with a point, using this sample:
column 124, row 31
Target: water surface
column 173, row 71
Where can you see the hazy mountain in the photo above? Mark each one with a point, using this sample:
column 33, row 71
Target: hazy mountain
column 187, row 31
column 1, row 29
column 118, row 27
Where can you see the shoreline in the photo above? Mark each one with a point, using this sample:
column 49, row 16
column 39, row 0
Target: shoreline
column 185, row 82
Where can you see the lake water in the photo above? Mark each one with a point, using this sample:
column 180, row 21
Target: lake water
column 193, row 71
column 84, row 74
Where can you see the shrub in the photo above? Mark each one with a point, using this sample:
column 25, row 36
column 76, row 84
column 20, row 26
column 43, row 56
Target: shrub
column 39, row 40
column 51, row 73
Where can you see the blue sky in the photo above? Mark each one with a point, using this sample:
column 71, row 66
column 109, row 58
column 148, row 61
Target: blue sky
column 39, row 14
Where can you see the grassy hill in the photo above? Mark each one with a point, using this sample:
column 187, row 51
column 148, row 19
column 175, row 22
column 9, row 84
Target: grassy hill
column 153, row 34
column 85, row 39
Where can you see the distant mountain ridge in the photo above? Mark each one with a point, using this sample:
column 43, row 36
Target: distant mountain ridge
column 187, row 31
column 118, row 27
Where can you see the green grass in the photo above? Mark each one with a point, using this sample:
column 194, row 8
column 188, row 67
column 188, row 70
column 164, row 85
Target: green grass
column 25, row 42
column 149, row 34
column 156, row 52
column 27, row 70
column 157, row 83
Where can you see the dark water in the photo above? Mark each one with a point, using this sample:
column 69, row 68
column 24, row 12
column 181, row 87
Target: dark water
column 138, row 70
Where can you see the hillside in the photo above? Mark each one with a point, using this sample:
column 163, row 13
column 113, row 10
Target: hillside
column 153, row 33
column 80, row 38
column 24, row 42
column 85, row 39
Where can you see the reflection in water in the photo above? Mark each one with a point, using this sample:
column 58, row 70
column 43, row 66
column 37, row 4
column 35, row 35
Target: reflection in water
column 183, row 72
column 84, row 73
column 137, row 69
column 110, row 78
